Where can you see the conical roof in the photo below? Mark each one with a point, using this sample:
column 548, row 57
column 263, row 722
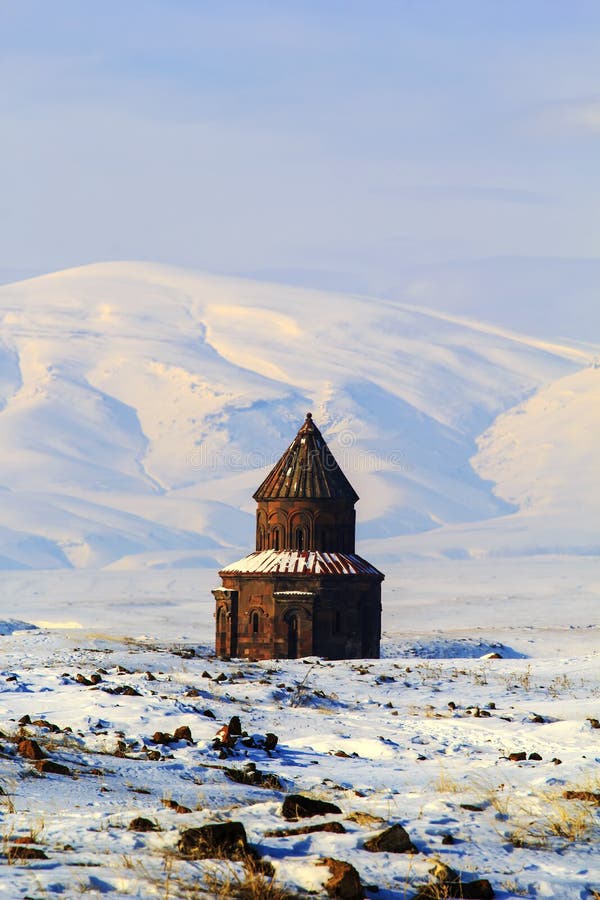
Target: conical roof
column 307, row 470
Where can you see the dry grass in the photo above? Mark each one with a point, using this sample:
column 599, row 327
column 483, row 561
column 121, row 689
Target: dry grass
column 445, row 784
column 559, row 820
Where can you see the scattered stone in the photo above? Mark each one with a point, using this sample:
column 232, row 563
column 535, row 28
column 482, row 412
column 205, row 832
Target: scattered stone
column 81, row 679
column 209, row 714
column 221, row 677
column 538, row 720
column 142, row 824
column 517, row 757
column 271, row 741
column 344, row 882
column 153, row 755
column 594, row 723
column 162, row 737
column 393, row 840
column 235, row 727
column 128, row 691
column 95, row 677
column 225, row 840
column 471, row 807
column 364, row 818
column 24, row 720
column 20, row 851
column 193, row 692
column 150, row 676
column 296, row 806
column 448, row 839
column 48, row 767
column 251, row 775
column 452, row 705
column 206, row 674
column 587, row 796
column 448, row 883
column 30, row 749
column 175, row 806
column 535, row 756
column 183, row 733
column 43, row 723
column 556, row 761
column 330, row 827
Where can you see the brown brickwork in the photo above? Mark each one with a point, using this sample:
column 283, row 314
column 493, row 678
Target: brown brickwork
column 303, row 592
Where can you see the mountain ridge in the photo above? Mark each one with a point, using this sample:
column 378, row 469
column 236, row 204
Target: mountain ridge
column 141, row 405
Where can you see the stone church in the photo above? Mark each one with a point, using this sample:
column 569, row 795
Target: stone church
column 304, row 591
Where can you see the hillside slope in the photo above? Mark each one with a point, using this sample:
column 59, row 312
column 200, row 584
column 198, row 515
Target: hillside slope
column 140, row 405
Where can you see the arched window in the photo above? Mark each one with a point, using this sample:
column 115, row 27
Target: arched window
column 276, row 538
column 299, row 538
column 292, row 636
column 261, row 538
column 254, row 621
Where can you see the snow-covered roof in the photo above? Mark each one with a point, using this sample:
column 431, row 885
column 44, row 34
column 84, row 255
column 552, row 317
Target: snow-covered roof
column 301, row 562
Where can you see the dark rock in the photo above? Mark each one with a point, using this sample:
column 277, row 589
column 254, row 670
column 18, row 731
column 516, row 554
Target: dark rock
column 472, row 807
column 517, row 757
column 20, row 851
column 535, row 756
column 43, row 723
column 206, row 674
column 162, row 737
column 449, row 884
column 30, row 750
column 344, row 882
column 329, row 827
column 235, row 726
column 48, row 767
column 392, row 840
column 538, row 720
column 81, row 679
column 220, row 678
column 447, row 839
column 95, row 677
column 129, row 691
column 226, row 840
column 587, row 796
column 209, row 714
column 295, row 806
column 24, row 720
column 271, row 740
column 556, row 761
column 183, row 733
column 594, row 723
column 142, row 824
column 255, row 777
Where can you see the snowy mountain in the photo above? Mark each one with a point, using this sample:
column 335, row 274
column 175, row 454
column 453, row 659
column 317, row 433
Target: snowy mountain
column 140, row 406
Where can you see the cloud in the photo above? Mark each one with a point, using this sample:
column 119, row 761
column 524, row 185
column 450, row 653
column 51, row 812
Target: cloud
column 578, row 116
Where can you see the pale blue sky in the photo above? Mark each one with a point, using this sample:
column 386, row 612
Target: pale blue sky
column 333, row 143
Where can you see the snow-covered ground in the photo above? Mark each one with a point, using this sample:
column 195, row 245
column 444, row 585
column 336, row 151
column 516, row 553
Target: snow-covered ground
column 381, row 740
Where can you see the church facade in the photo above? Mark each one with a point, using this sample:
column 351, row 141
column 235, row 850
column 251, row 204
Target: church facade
column 303, row 591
